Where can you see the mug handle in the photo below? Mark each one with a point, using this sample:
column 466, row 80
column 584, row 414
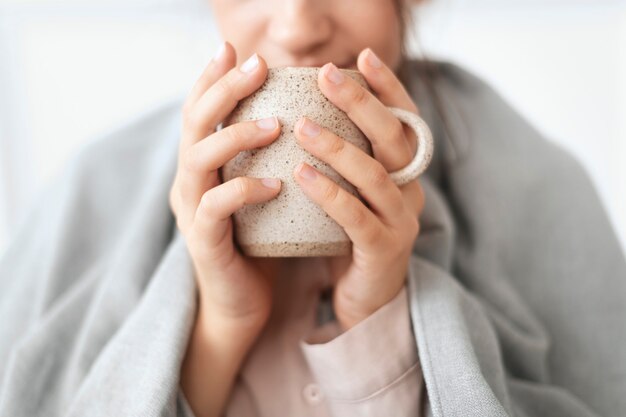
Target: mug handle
column 425, row 147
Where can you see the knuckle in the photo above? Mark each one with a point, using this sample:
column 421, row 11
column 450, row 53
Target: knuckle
column 336, row 146
column 190, row 159
column 397, row 131
column 421, row 201
column 359, row 96
column 243, row 187
column 372, row 236
column 396, row 196
column 358, row 217
column 330, row 193
column 192, row 120
column 236, row 134
column 413, row 226
column 194, row 239
column 187, row 108
column 181, row 224
column 378, row 175
column 175, row 208
column 225, row 86
column 173, row 200
column 208, row 203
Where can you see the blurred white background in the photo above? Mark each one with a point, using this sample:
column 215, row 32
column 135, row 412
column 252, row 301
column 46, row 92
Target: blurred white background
column 70, row 70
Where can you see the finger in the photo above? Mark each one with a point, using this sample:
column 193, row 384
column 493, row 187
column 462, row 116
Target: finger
column 413, row 195
column 359, row 223
column 219, row 203
column 223, row 60
column 388, row 88
column 202, row 160
column 222, row 97
column 384, row 82
column 357, row 167
column 210, row 154
column 419, row 199
column 381, row 127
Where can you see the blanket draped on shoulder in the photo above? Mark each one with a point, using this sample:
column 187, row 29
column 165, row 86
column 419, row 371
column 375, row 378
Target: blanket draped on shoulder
column 517, row 281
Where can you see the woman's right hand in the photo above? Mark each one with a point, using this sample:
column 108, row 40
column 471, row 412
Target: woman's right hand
column 235, row 290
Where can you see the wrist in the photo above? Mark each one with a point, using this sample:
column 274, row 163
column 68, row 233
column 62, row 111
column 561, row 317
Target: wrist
column 215, row 352
column 350, row 313
column 234, row 333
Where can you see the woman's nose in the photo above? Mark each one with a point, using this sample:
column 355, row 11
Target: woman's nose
column 300, row 25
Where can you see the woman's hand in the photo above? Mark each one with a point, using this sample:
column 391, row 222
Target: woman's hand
column 235, row 291
column 233, row 288
column 383, row 231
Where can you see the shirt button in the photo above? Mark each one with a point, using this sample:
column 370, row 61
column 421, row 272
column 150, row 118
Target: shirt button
column 312, row 394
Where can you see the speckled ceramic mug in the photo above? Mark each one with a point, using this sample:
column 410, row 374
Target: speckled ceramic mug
column 291, row 224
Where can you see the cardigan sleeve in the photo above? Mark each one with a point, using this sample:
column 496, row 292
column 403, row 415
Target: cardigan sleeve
column 371, row 369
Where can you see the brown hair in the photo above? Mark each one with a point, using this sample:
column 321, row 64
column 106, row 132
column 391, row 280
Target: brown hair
column 429, row 70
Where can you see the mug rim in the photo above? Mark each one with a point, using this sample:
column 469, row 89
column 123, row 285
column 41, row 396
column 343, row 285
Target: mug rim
column 291, row 67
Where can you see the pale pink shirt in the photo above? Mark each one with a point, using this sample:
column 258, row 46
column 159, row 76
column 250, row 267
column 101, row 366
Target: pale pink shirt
column 302, row 364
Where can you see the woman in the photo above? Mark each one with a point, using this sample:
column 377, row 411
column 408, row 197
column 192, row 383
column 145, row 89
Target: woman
column 497, row 289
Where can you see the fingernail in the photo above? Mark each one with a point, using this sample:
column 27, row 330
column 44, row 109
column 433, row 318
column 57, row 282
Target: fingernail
column 373, row 60
column 220, row 52
column 306, row 172
column 333, row 74
column 309, row 128
column 273, row 183
column 250, row 64
column 268, row 123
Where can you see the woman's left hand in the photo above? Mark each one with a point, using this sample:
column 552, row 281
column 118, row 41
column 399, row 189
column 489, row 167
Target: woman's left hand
column 382, row 234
